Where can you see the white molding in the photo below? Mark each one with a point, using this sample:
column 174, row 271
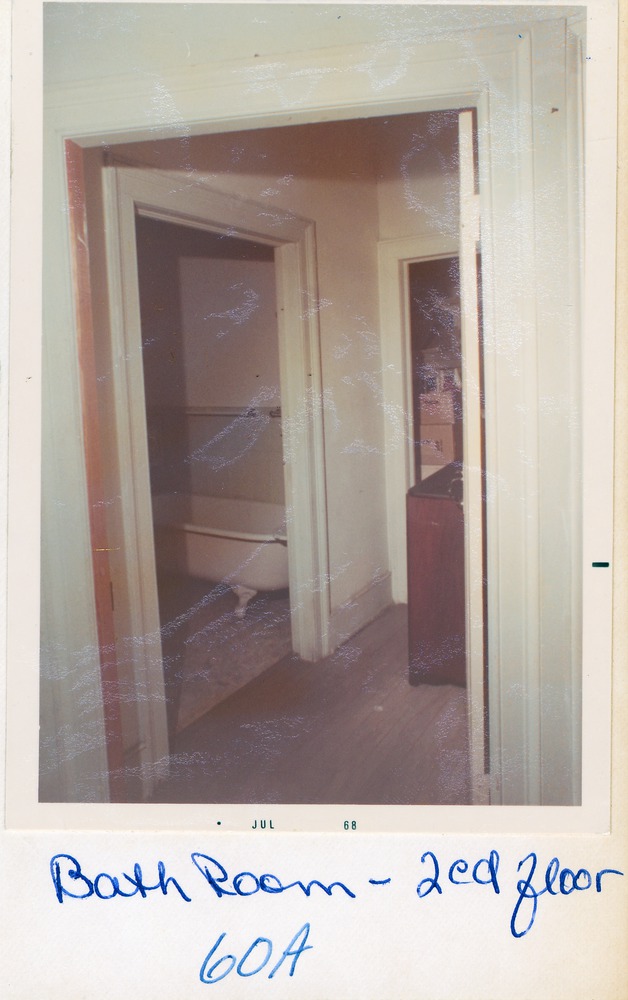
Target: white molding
column 330, row 84
column 176, row 198
column 507, row 186
column 136, row 554
column 528, row 504
column 69, row 649
column 576, row 54
column 472, row 486
column 359, row 610
column 303, row 435
column 504, row 109
column 293, row 79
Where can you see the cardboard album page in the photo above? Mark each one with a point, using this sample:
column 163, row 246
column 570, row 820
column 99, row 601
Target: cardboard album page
column 313, row 372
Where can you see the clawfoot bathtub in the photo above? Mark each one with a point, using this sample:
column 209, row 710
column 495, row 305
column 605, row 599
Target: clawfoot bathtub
column 241, row 543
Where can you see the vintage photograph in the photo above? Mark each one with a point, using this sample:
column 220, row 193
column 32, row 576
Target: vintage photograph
column 312, row 457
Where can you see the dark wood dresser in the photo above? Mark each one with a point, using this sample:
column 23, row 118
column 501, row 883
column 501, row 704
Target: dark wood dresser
column 436, row 579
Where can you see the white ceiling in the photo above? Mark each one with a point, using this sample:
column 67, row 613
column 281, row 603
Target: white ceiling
column 87, row 40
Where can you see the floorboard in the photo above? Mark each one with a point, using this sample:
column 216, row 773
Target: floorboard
column 349, row 729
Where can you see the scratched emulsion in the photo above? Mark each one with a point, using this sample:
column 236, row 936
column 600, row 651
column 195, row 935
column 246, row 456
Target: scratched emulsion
column 230, row 414
column 248, row 720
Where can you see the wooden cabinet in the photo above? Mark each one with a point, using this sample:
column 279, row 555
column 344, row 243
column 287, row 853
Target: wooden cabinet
column 436, row 580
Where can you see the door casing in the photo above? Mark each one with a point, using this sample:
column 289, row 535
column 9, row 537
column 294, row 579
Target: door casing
column 168, row 197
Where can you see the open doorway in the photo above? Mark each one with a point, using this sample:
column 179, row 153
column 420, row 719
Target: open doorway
column 437, row 583
column 197, row 267
column 435, row 516
column 214, row 478
column 210, row 356
column 436, row 353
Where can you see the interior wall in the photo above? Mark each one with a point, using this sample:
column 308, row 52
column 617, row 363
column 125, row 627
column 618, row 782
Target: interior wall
column 418, row 176
column 159, row 247
column 231, row 356
column 229, row 332
column 209, row 339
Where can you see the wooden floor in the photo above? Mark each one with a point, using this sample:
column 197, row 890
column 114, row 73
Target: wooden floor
column 349, row 729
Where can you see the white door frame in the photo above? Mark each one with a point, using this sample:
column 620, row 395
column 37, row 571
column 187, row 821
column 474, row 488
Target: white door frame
column 492, row 70
column 395, row 257
column 159, row 195
column 517, row 583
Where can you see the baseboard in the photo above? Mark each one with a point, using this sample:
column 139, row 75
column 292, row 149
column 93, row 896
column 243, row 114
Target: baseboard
column 359, row 610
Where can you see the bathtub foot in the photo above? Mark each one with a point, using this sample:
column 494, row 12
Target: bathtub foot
column 244, row 595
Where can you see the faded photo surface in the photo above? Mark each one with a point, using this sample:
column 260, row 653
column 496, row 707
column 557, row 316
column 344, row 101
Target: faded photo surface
column 312, row 416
